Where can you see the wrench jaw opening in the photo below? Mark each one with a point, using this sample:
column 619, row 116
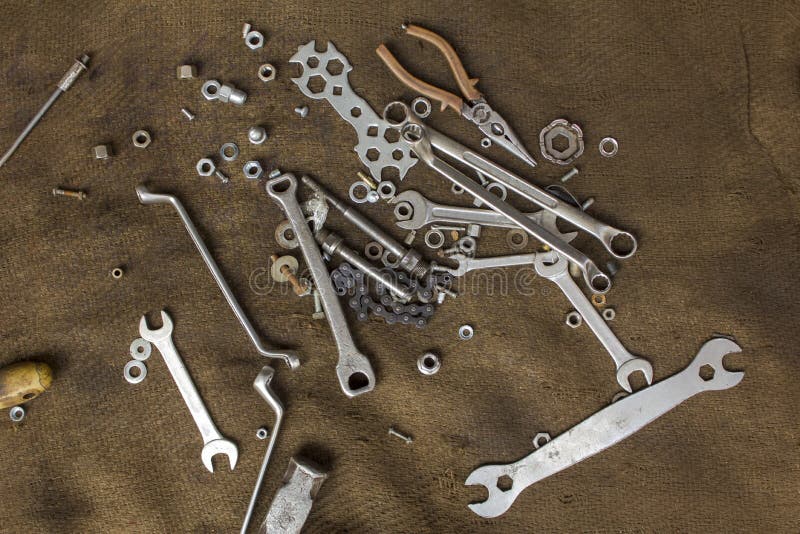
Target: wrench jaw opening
column 154, row 336
column 711, row 355
column 499, row 500
column 219, row 446
column 355, row 373
column 625, row 371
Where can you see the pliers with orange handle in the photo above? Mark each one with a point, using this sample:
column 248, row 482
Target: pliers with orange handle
column 473, row 107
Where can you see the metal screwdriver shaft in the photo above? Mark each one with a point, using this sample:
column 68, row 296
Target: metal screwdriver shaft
column 65, row 83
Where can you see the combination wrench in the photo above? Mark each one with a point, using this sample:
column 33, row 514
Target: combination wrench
column 605, row 428
column 213, row 442
column 467, row 264
column 353, row 369
column 556, row 269
column 422, row 212
column 146, row 197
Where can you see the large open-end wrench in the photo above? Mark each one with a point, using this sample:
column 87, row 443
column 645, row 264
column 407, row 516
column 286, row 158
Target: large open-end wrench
column 607, row 427
column 556, row 269
column 354, row 370
column 213, row 442
column 424, row 212
column 415, row 134
column 146, row 197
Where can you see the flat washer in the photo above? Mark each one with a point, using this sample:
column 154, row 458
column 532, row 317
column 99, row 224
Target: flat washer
column 17, row 414
column 355, row 187
column 606, row 153
column 130, row 366
column 277, row 266
column 424, row 104
column 229, row 151
column 438, row 241
column 280, row 235
column 141, row 349
column 465, row 332
column 512, row 241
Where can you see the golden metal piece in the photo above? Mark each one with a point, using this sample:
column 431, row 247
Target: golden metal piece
column 367, row 180
column 298, row 287
column 599, row 300
column 80, row 195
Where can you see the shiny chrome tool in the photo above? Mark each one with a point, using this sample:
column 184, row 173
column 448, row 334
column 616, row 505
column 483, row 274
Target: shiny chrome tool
column 146, row 197
column 66, row 82
column 473, row 107
column 607, row 427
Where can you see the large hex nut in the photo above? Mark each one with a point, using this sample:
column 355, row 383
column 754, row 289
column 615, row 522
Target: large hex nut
column 206, row 167
column 187, row 72
column 102, row 151
column 252, row 170
column 565, row 132
column 254, row 40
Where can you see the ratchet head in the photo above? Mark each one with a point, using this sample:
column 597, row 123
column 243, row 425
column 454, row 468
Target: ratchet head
column 154, row 336
column 493, row 478
column 418, row 206
column 219, row 446
column 711, row 355
column 625, row 371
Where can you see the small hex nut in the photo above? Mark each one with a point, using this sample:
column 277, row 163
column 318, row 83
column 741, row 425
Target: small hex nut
column 187, row 72
column 206, row 167
column 257, row 134
column 252, row 170
column 102, row 151
column 266, row 72
column 254, row 40
column 541, row 439
column 141, row 138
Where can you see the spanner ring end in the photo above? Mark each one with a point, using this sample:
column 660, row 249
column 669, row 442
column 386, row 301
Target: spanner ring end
column 621, row 245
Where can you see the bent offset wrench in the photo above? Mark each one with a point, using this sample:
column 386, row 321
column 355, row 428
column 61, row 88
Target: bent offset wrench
column 619, row 243
column 607, row 427
column 213, row 442
column 354, row 370
column 146, row 197
column 261, row 385
column 556, row 269
column 415, row 134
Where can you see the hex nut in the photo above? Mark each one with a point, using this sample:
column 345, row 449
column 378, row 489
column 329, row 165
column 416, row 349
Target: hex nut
column 252, row 170
column 254, row 40
column 206, row 167
column 187, row 72
column 609, row 314
column 257, row 134
column 561, row 128
column 541, row 439
column 574, row 319
column 102, row 151
column 429, row 364
column 262, row 433
column 141, row 138
column 466, row 332
column 266, row 72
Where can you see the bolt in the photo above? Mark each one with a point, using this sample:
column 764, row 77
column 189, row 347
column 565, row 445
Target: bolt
column 448, row 292
column 302, row 111
column 450, row 251
column 453, row 228
column 440, row 298
column 189, row 114
column 367, row 179
column 572, row 173
column 410, row 237
column 319, row 313
column 80, row 195
column 274, row 173
column 246, row 29
column 299, row 288
column 612, row 268
column 588, row 202
column 222, row 178
column 407, row 439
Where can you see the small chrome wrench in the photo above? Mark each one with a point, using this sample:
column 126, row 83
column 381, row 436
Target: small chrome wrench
column 605, row 428
column 467, row 264
column 354, row 370
column 213, row 442
column 556, row 269
column 424, row 212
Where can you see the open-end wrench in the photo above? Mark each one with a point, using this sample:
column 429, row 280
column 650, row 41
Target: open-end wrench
column 146, row 197
column 213, row 442
column 261, row 385
column 555, row 268
column 415, row 134
column 354, row 370
column 607, row 427
column 467, row 264
column 424, row 212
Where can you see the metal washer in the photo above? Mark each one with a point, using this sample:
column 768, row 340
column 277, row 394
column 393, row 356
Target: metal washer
column 130, row 366
column 141, row 349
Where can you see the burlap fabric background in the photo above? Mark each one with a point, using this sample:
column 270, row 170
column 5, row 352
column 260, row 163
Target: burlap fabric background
column 703, row 98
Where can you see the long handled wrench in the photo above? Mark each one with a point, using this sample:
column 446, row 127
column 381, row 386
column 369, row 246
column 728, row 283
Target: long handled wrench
column 213, row 442
column 607, row 427
column 556, row 269
column 146, row 197
column 353, row 370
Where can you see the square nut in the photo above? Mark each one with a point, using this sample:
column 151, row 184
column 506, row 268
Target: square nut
column 102, row 151
column 186, row 72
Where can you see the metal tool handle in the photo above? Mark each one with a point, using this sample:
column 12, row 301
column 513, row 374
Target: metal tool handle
column 465, row 83
column 607, row 427
column 353, row 370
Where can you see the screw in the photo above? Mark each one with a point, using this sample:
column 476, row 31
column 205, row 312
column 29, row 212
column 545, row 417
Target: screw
column 407, row 439
column 246, row 29
column 80, row 195
column 410, row 237
column 440, row 297
column 570, row 174
column 299, row 288
column 222, row 178
column 302, row 111
column 319, row 313
column 274, row 173
column 189, row 114
column 448, row 292
column 367, row 180
column 612, row 268
column 588, row 202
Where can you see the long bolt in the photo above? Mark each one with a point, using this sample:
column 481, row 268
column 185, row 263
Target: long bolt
column 221, row 175
column 367, row 179
column 586, row 203
column 299, row 288
column 66, row 82
column 570, row 174
column 407, row 439
column 80, row 195
column 319, row 313
column 189, row 114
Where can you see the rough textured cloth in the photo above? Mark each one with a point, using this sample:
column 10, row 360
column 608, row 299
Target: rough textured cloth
column 703, row 98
